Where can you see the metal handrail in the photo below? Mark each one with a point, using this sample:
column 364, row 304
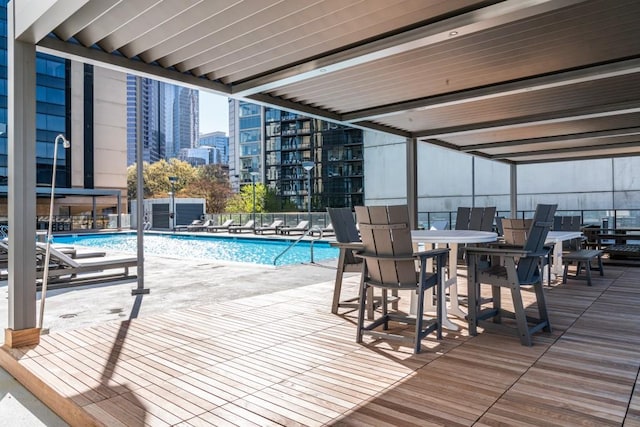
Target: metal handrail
column 305, row 234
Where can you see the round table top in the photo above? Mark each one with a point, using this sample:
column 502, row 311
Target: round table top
column 453, row 236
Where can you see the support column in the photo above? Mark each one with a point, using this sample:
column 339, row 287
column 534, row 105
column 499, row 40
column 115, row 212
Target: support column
column 21, row 329
column 513, row 190
column 412, row 181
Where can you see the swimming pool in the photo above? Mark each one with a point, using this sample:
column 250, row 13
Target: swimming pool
column 236, row 249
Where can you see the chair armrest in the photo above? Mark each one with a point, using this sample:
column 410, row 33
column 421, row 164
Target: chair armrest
column 364, row 255
column 432, row 253
column 413, row 257
column 510, row 252
column 347, row 245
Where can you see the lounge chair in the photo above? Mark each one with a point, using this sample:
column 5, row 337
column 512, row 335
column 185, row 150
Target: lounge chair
column 194, row 223
column 274, row 226
column 223, row 227
column 63, row 268
column 300, row 228
column 200, row 227
column 249, row 226
column 324, row 231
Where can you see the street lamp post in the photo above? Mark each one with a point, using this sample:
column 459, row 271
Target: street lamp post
column 47, row 254
column 253, row 184
column 308, row 166
column 172, row 209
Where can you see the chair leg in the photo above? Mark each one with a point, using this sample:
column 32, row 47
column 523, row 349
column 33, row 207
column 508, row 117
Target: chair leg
column 419, row 317
column 600, row 267
column 496, row 298
column 364, row 289
column 588, row 269
column 542, row 307
column 337, row 288
column 521, row 316
column 473, row 295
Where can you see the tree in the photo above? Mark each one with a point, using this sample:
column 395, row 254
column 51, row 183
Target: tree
column 212, row 184
column 243, row 201
column 156, row 178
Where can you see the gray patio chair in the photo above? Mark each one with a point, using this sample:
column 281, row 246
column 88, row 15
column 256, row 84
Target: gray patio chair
column 248, row 226
column 221, row 227
column 390, row 264
column 301, row 228
column 273, row 227
column 512, row 268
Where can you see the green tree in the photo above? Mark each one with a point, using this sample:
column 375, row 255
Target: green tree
column 243, row 201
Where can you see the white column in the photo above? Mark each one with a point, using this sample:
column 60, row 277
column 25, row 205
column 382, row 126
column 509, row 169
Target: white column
column 22, row 182
column 412, row 181
column 513, row 190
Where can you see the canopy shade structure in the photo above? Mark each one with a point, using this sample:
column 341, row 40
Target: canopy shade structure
column 519, row 81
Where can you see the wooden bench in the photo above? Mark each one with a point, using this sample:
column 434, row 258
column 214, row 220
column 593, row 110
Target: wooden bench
column 583, row 258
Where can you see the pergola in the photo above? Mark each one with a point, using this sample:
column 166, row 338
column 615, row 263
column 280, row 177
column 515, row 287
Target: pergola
column 518, row 81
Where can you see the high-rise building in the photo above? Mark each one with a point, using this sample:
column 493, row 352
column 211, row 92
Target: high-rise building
column 278, row 144
column 86, row 105
column 168, row 116
column 219, row 140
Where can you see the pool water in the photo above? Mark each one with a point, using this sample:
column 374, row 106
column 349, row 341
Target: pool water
column 257, row 251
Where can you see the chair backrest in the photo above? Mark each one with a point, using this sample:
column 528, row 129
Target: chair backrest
column 302, row 224
column 249, row 224
column 276, row 223
column 227, row 223
column 386, row 230
column 516, row 231
column 567, row 223
column 479, row 219
column 528, row 271
column 499, row 228
column 344, row 225
column 462, row 218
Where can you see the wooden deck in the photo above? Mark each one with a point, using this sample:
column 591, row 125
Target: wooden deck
column 283, row 359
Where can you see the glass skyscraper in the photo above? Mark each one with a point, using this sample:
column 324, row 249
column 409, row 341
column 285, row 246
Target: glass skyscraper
column 52, row 106
column 168, row 115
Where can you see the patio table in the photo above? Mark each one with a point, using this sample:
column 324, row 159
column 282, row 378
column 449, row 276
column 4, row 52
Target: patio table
column 556, row 238
column 451, row 238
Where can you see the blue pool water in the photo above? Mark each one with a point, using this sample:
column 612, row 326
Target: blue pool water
column 258, row 251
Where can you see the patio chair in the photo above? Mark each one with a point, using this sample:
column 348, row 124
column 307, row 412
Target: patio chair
column 324, row 230
column 512, row 268
column 274, row 226
column 390, row 264
column 64, row 268
column 569, row 223
column 249, row 226
column 347, row 241
column 200, row 226
column 301, row 228
column 194, row 223
column 222, row 227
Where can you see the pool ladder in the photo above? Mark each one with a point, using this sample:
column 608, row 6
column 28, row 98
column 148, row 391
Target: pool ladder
column 295, row 242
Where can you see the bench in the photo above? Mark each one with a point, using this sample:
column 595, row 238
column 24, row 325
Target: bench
column 583, row 258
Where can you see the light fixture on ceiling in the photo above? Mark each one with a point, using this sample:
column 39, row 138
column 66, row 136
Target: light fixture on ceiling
column 453, row 33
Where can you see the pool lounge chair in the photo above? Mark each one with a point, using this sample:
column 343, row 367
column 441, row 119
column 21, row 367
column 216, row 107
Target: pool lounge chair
column 325, row 231
column 223, row 227
column 194, row 223
column 300, row 228
column 249, row 226
column 274, row 226
column 200, row 227
column 91, row 270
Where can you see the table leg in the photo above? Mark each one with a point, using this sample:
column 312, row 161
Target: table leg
column 453, row 282
column 557, row 259
column 428, row 304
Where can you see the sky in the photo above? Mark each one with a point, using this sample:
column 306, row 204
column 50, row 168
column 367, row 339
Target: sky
column 214, row 113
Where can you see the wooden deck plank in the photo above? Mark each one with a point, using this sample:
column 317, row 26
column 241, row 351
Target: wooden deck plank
column 283, row 359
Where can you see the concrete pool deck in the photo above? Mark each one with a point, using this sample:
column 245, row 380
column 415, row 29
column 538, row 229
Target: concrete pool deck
column 173, row 284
